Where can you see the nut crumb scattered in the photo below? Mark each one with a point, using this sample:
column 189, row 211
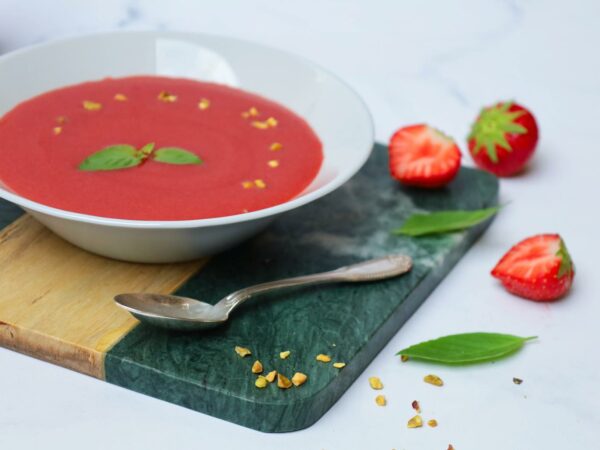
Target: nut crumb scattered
column 323, row 358
column 517, row 380
column 403, row 358
column 57, row 130
column 257, row 367
column 375, row 383
column 167, row 97
column 299, row 379
column 283, row 382
column 339, row 365
column 380, row 400
column 415, row 422
column 433, row 379
column 416, row 406
column 261, row 382
column 91, row 106
column 120, row 97
column 284, row 355
column 450, row 447
column 432, row 423
column 242, row 351
column 276, row 146
column 203, row 104
column 271, row 376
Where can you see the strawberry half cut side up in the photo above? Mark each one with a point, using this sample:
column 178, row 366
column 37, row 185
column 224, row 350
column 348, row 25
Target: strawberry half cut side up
column 538, row 268
column 423, row 156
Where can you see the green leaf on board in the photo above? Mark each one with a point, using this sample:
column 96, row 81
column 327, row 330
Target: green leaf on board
column 444, row 221
column 113, row 157
column 176, row 155
column 467, row 348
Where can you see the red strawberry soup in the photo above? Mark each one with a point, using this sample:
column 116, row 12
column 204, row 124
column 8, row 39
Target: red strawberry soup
column 235, row 152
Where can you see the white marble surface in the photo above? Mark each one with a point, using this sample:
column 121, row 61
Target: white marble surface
column 434, row 61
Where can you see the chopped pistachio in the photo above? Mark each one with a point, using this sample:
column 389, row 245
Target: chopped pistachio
column 380, row 400
column 415, row 422
column 91, row 106
column 375, row 383
column 403, row 358
column 257, row 367
column 285, row 354
column 339, row 365
column 167, row 97
column 261, row 382
column 299, row 379
column 271, row 376
column 416, row 406
column 283, row 382
column 203, row 104
column 432, row 423
column 433, row 379
column 260, row 125
column 252, row 112
column 323, row 358
column 242, row 351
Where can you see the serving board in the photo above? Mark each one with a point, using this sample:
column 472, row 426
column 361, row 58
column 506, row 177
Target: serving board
column 56, row 301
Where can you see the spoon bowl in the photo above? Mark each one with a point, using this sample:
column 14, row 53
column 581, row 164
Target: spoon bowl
column 172, row 311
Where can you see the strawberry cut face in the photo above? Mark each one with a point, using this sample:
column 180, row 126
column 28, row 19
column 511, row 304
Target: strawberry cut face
column 423, row 156
column 538, row 268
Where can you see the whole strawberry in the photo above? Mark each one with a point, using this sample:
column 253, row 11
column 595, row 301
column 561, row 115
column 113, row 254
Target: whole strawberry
column 538, row 268
column 503, row 138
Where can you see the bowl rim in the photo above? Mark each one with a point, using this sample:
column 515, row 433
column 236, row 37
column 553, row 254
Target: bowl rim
column 193, row 223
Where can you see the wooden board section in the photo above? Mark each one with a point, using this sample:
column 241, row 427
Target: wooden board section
column 56, row 300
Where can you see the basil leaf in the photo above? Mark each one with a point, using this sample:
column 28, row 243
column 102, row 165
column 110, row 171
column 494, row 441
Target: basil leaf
column 466, row 348
column 176, row 155
column 112, row 157
column 444, row 221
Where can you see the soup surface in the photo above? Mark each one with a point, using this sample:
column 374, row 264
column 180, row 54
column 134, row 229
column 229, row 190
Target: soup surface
column 156, row 148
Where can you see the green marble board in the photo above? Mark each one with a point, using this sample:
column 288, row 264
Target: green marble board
column 350, row 322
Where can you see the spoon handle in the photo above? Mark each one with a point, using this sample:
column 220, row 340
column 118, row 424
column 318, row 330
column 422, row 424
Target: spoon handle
column 370, row 270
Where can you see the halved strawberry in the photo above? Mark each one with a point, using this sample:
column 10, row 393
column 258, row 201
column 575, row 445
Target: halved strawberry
column 423, row 156
column 538, row 268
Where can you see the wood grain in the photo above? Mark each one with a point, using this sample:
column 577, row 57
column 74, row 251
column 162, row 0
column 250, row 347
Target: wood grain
column 56, row 300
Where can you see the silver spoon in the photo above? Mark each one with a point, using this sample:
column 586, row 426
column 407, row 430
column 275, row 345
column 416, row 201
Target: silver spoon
column 181, row 313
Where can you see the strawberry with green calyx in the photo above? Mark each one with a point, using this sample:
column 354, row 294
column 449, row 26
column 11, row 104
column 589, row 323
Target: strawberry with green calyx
column 503, row 138
column 538, row 268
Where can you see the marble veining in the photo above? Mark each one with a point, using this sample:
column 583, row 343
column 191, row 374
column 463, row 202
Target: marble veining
column 349, row 322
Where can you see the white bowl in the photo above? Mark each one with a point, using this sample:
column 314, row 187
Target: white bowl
column 334, row 110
